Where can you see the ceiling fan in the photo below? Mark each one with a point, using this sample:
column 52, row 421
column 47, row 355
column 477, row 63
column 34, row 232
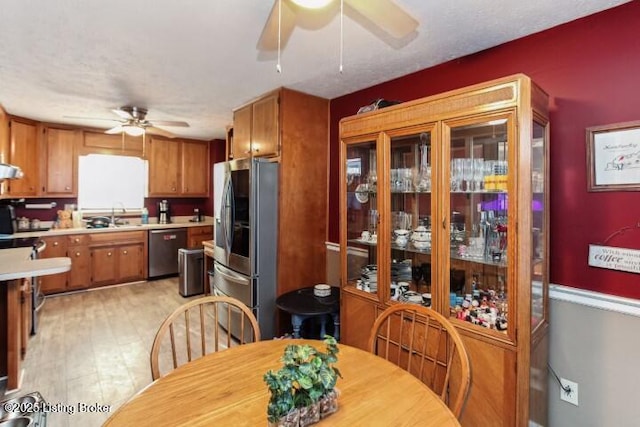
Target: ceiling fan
column 133, row 122
column 286, row 14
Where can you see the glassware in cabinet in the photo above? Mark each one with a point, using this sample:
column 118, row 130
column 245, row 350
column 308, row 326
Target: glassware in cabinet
column 361, row 216
column 478, row 222
column 410, row 207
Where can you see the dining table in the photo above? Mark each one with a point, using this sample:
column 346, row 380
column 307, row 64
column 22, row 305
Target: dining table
column 226, row 388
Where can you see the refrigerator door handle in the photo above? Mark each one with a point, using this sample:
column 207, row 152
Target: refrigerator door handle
column 233, row 214
column 231, row 276
column 225, row 211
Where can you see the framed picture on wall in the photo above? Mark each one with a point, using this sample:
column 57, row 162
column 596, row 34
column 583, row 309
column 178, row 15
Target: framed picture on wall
column 613, row 157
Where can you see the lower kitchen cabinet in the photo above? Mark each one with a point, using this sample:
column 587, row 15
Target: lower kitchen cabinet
column 131, row 262
column 78, row 250
column 118, row 257
column 197, row 235
column 103, row 266
column 56, row 247
column 97, row 259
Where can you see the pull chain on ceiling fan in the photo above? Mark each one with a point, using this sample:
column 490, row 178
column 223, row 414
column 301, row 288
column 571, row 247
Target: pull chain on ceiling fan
column 284, row 16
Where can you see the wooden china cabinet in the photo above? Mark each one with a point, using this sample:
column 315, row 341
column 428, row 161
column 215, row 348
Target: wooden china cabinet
column 444, row 202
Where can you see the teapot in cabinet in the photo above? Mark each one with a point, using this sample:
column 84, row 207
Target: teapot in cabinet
column 421, row 238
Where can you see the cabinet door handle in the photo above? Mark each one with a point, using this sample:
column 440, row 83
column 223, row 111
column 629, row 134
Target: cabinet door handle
column 67, row 188
column 108, row 253
column 125, row 252
column 444, row 224
column 77, row 254
column 55, row 243
column 76, row 240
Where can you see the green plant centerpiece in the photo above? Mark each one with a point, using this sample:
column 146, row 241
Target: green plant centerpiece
column 303, row 390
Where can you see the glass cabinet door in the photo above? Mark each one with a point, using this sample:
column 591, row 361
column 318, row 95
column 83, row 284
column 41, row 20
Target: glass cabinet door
column 410, row 205
column 478, row 222
column 539, row 230
column 361, row 221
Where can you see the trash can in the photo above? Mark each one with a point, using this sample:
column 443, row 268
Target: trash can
column 191, row 271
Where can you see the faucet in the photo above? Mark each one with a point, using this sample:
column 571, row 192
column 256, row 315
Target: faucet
column 113, row 212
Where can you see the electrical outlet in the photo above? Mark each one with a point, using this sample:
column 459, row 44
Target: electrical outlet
column 570, row 396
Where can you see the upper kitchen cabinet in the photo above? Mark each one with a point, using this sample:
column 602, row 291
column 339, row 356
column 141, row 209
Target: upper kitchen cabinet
column 178, row 168
column 256, row 127
column 444, row 202
column 240, row 144
column 99, row 142
column 164, row 166
column 23, row 152
column 60, row 162
column 195, row 168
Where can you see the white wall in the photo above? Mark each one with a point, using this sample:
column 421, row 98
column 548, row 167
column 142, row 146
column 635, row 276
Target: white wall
column 594, row 341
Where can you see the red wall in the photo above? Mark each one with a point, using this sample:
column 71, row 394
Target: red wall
column 591, row 70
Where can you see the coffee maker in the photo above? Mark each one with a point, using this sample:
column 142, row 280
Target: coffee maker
column 164, row 212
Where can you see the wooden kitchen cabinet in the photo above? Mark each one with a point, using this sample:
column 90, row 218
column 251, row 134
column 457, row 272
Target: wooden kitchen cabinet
column 265, row 125
column 99, row 142
column 78, row 251
column 454, row 187
column 256, row 128
column 195, row 168
column 130, row 262
column 197, row 235
column 24, row 152
column 240, row 146
column 56, row 247
column 178, row 168
column 164, row 166
column 60, row 162
column 104, row 266
column 118, row 257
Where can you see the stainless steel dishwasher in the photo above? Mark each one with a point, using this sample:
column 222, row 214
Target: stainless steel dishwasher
column 163, row 250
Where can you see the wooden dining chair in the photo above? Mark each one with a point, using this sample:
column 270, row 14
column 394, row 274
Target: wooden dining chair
column 199, row 327
column 424, row 343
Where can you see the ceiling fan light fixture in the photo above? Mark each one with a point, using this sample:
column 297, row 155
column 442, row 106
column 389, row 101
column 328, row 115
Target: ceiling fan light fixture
column 312, row 4
column 132, row 130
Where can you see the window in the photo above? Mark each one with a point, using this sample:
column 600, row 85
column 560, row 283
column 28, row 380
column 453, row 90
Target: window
column 106, row 181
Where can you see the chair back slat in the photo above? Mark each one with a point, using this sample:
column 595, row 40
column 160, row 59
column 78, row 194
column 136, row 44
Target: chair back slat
column 221, row 322
column 203, row 330
column 427, row 345
column 188, row 333
column 173, row 347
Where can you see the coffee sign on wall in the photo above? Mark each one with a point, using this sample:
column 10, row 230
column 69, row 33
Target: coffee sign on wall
column 621, row 259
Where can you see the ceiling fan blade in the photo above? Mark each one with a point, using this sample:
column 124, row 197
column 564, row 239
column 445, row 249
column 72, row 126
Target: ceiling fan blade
column 115, row 130
column 152, row 130
column 269, row 37
column 387, row 15
column 90, row 118
column 123, row 114
column 170, row 123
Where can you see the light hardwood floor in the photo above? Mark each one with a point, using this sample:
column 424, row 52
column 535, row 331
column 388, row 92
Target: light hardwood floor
column 93, row 347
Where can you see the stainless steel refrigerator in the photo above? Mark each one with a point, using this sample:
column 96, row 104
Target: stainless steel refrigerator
column 246, row 237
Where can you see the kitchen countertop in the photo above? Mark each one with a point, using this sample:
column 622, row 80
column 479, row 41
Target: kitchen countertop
column 17, row 264
column 180, row 222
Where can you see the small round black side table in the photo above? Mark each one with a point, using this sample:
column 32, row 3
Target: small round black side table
column 303, row 304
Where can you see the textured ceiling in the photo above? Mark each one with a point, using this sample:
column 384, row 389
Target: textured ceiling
column 196, row 60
